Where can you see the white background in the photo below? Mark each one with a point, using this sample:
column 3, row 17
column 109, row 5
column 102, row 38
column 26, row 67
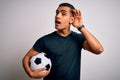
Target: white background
column 22, row 22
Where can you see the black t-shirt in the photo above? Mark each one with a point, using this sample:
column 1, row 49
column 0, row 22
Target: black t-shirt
column 65, row 54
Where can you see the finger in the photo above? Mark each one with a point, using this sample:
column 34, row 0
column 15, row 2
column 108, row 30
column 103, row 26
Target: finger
column 41, row 69
column 74, row 12
column 80, row 13
column 77, row 12
column 43, row 74
column 46, row 73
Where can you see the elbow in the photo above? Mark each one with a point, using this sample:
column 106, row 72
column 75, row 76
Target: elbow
column 99, row 50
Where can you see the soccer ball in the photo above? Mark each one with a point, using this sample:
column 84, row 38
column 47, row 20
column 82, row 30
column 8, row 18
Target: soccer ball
column 40, row 60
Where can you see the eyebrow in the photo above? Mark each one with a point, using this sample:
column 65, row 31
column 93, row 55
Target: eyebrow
column 61, row 11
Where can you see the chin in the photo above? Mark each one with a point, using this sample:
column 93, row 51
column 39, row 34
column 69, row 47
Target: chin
column 58, row 27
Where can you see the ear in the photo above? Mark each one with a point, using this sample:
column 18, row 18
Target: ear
column 71, row 20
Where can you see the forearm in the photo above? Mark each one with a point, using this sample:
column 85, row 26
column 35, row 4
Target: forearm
column 26, row 65
column 92, row 44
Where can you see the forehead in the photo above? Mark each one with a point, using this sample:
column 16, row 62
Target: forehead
column 63, row 8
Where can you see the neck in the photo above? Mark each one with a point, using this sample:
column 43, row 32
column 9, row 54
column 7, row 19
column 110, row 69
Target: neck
column 64, row 32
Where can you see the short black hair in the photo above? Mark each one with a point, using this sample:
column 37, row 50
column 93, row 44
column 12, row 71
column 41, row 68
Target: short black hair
column 67, row 5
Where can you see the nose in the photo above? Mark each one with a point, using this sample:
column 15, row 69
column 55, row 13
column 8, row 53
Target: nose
column 58, row 16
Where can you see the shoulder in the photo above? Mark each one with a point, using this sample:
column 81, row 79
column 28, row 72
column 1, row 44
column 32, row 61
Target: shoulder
column 47, row 36
column 50, row 35
column 78, row 36
column 75, row 34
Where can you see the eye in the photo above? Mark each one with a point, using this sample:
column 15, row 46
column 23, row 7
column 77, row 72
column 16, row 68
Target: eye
column 57, row 12
column 63, row 14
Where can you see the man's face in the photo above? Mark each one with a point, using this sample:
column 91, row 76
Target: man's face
column 63, row 18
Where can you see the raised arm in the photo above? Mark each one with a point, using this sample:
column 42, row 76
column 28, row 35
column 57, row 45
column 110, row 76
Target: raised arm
column 91, row 43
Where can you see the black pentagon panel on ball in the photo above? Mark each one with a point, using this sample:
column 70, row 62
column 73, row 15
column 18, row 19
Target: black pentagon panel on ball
column 47, row 66
column 37, row 61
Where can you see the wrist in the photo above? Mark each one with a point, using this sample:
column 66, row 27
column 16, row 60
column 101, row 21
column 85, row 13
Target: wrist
column 31, row 75
column 79, row 28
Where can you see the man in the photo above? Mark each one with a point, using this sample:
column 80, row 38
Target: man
column 63, row 46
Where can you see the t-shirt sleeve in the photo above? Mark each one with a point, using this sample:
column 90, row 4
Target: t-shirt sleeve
column 82, row 38
column 39, row 44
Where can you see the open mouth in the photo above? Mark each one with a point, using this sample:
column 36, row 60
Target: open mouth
column 57, row 22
